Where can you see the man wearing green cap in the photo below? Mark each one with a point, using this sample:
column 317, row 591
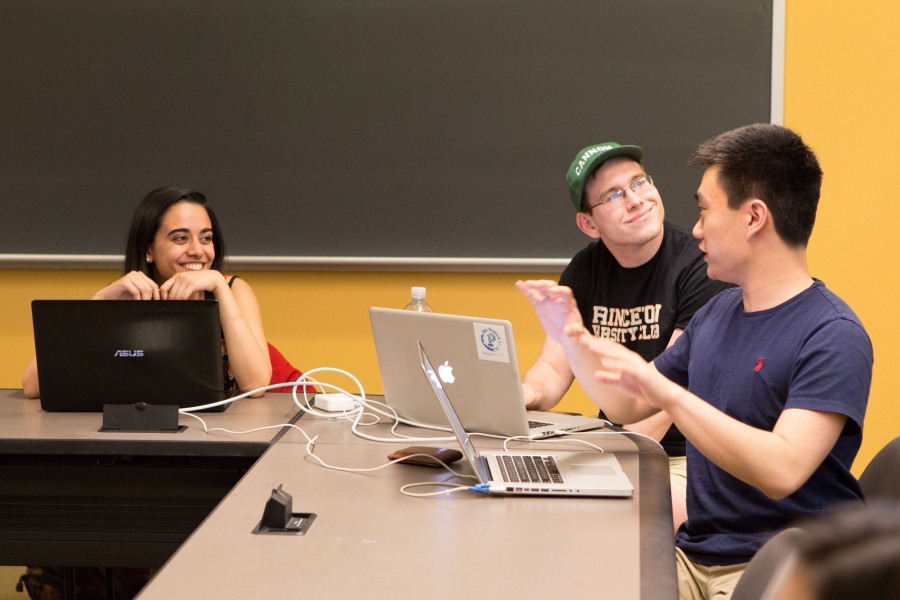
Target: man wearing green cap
column 639, row 283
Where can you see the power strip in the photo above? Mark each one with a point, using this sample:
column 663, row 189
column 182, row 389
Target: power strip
column 336, row 402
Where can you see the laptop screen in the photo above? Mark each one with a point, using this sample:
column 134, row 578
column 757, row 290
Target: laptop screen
column 456, row 425
column 487, row 388
column 96, row 352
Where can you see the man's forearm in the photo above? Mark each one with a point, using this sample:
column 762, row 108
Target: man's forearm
column 543, row 386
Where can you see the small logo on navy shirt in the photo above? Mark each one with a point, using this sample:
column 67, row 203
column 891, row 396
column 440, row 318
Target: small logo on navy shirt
column 759, row 364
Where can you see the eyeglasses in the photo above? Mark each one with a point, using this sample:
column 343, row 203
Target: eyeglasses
column 638, row 187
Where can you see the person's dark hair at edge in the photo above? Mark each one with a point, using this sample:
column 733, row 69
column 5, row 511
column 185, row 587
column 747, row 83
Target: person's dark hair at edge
column 146, row 222
column 855, row 553
column 769, row 162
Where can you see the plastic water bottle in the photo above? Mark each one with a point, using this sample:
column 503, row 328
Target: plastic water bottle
column 417, row 301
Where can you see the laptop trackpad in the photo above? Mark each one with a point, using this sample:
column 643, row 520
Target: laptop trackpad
column 593, row 470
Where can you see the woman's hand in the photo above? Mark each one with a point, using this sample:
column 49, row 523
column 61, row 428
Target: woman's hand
column 131, row 286
column 189, row 285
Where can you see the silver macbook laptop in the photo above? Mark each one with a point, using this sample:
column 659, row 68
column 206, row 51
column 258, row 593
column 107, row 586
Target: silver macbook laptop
column 528, row 472
column 96, row 352
column 478, row 358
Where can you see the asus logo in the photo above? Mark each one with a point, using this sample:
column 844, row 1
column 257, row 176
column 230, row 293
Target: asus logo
column 129, row 353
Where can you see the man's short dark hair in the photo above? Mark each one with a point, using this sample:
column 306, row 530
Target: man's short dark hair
column 772, row 163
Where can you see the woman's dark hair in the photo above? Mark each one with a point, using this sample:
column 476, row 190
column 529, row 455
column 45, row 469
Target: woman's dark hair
column 146, row 222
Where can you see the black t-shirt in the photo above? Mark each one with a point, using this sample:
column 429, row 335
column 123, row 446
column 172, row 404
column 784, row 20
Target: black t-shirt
column 641, row 306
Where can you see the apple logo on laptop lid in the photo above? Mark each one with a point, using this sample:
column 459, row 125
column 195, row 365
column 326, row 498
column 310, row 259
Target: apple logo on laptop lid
column 445, row 371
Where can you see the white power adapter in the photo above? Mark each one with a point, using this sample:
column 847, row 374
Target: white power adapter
column 335, row 402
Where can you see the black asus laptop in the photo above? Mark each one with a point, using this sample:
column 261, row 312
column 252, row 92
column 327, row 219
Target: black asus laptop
column 96, row 352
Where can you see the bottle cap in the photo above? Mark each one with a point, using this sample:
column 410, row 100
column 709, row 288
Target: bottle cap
column 418, row 292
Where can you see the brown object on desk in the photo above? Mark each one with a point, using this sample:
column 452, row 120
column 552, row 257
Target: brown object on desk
column 408, row 454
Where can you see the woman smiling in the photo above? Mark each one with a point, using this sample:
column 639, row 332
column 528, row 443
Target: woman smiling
column 175, row 251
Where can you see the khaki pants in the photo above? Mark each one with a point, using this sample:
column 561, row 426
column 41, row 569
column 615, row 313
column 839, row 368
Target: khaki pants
column 699, row 582
column 678, row 479
column 678, row 474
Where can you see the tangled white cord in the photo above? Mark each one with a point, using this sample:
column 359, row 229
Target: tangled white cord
column 356, row 413
column 367, row 408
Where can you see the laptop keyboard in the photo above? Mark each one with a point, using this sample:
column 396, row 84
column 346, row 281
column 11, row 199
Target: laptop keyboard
column 535, row 424
column 534, row 469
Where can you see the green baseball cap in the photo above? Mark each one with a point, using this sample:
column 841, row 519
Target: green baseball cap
column 589, row 160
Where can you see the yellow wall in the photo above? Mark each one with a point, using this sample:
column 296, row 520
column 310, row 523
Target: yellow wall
column 841, row 94
column 841, row 91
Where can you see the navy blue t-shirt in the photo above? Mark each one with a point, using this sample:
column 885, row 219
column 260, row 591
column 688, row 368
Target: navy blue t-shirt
column 810, row 352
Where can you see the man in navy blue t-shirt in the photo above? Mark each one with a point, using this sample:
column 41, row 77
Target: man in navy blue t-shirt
column 769, row 381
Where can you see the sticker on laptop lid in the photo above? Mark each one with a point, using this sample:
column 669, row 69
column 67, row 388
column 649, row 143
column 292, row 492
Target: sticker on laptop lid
column 491, row 343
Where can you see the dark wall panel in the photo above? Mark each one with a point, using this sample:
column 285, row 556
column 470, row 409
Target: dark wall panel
column 395, row 128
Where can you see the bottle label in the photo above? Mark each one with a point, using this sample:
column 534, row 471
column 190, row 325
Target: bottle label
column 490, row 342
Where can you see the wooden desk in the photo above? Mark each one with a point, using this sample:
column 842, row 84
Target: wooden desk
column 370, row 541
column 73, row 496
